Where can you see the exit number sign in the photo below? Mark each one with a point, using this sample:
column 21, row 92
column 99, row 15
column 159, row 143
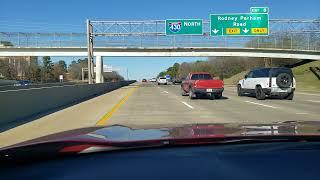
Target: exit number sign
column 259, row 10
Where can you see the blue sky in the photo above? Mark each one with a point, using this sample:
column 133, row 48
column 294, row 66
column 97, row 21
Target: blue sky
column 70, row 15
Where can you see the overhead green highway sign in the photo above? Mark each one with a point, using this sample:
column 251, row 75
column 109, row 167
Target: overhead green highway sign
column 259, row 10
column 184, row 27
column 247, row 24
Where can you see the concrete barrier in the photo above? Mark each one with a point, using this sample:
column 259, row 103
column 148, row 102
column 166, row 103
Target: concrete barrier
column 12, row 87
column 20, row 106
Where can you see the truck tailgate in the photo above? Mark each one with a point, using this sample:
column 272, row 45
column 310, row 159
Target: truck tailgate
column 208, row 84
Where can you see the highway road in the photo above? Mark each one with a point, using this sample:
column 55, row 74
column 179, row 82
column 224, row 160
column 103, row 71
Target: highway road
column 164, row 105
column 145, row 105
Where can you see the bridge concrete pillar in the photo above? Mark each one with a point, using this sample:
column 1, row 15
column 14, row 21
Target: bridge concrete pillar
column 99, row 70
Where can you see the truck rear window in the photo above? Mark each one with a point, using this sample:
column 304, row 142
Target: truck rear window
column 200, row 76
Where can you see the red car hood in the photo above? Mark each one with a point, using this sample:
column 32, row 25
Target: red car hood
column 96, row 139
column 120, row 134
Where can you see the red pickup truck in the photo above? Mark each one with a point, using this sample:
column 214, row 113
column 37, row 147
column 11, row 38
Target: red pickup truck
column 202, row 84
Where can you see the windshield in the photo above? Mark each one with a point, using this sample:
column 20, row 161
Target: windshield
column 201, row 76
column 213, row 68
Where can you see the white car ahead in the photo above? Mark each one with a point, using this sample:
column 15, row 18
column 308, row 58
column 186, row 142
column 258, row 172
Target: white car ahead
column 266, row 82
column 153, row 80
column 162, row 80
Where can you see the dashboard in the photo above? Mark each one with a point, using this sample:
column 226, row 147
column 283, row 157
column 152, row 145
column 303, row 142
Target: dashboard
column 285, row 160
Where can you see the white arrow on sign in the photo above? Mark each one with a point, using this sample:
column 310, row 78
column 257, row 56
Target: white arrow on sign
column 245, row 30
column 215, row 31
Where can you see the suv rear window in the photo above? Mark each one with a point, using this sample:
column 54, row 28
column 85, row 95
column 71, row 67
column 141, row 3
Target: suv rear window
column 200, row 76
column 261, row 73
column 265, row 72
column 276, row 71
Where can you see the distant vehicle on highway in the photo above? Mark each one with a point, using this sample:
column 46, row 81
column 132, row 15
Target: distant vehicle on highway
column 177, row 81
column 202, row 84
column 162, row 80
column 153, row 80
column 266, row 82
column 144, row 80
column 23, row 83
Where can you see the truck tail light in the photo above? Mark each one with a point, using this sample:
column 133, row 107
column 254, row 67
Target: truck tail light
column 196, row 83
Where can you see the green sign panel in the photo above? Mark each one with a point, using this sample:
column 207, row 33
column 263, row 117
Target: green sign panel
column 259, row 10
column 184, row 27
column 239, row 24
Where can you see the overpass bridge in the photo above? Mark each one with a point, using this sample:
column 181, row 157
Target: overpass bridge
column 163, row 52
column 295, row 39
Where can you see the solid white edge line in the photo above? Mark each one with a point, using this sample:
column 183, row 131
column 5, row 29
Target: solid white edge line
column 313, row 101
column 46, row 87
column 310, row 94
column 261, row 104
column 191, row 107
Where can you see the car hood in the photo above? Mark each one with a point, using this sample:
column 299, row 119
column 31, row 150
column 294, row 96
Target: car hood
column 117, row 137
column 119, row 133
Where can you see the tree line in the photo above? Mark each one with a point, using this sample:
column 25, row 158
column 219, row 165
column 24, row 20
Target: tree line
column 225, row 67
column 47, row 71
column 75, row 71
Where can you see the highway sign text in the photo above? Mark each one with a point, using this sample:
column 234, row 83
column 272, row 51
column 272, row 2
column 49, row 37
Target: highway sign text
column 259, row 10
column 239, row 24
column 184, row 27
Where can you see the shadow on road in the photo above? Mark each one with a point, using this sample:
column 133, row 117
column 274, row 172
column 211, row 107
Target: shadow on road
column 207, row 98
column 267, row 98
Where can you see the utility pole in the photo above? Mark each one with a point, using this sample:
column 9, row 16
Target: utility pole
column 82, row 75
column 90, row 51
column 127, row 75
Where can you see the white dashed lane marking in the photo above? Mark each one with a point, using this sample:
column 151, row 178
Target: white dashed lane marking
column 188, row 105
column 264, row 105
column 301, row 113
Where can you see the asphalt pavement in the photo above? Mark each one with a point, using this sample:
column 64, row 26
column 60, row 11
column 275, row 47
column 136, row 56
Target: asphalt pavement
column 147, row 105
column 164, row 105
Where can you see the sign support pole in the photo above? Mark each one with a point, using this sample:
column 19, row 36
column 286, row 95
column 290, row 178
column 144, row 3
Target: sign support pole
column 90, row 51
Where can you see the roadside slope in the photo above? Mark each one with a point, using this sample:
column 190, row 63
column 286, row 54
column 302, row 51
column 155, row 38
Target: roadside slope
column 306, row 80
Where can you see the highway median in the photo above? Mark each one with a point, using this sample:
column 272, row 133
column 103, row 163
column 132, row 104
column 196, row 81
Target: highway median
column 22, row 106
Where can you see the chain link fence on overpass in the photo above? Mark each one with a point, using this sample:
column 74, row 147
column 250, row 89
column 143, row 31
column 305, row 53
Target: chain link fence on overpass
column 284, row 34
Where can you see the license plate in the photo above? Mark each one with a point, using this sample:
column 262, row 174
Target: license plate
column 209, row 90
